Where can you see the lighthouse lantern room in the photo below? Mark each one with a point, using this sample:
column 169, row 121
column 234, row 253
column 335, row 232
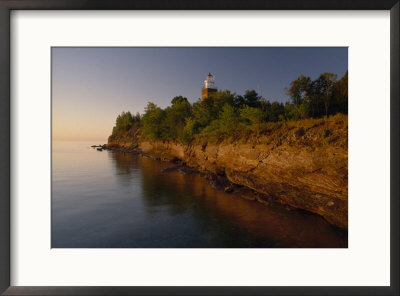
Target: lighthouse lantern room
column 209, row 86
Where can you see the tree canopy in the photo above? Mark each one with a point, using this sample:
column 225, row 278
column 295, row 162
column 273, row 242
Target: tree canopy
column 227, row 114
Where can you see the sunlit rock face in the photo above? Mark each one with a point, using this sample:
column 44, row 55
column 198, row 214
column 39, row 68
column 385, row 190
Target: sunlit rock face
column 305, row 167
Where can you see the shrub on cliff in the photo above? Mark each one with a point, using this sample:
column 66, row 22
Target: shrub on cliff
column 189, row 130
column 252, row 117
column 227, row 124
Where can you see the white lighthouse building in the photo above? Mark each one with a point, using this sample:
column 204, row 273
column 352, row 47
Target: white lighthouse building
column 209, row 86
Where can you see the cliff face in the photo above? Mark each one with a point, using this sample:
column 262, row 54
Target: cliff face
column 305, row 166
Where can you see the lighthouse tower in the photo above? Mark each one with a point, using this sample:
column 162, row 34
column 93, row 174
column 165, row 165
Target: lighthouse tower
column 209, row 87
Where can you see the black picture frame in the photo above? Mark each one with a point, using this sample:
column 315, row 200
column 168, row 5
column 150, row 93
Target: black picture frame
column 6, row 6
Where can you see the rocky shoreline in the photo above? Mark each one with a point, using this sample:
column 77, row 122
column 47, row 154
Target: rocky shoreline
column 300, row 164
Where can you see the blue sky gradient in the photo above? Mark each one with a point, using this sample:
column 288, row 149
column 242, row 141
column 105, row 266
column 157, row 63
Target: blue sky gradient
column 91, row 86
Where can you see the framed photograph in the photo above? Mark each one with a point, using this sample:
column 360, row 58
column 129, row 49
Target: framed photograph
column 210, row 148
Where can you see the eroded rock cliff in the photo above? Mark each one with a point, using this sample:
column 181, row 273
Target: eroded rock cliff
column 303, row 163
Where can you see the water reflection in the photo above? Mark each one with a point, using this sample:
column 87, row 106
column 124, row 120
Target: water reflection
column 115, row 200
column 185, row 211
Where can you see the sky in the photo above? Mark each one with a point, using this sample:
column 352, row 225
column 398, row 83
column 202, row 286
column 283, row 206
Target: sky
column 92, row 85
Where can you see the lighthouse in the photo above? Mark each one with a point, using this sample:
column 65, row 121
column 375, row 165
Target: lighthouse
column 209, row 87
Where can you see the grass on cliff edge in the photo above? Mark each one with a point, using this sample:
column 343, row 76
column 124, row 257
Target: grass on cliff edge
column 328, row 131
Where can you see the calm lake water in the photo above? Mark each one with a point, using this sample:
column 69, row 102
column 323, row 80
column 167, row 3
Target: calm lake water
column 115, row 200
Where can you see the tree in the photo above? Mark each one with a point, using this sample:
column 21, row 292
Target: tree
column 277, row 111
column 226, row 124
column 207, row 110
column 217, row 100
column 201, row 113
column 152, row 122
column 299, row 89
column 229, row 120
column 179, row 100
column 326, row 83
column 252, row 99
column 175, row 117
column 124, row 121
column 340, row 94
